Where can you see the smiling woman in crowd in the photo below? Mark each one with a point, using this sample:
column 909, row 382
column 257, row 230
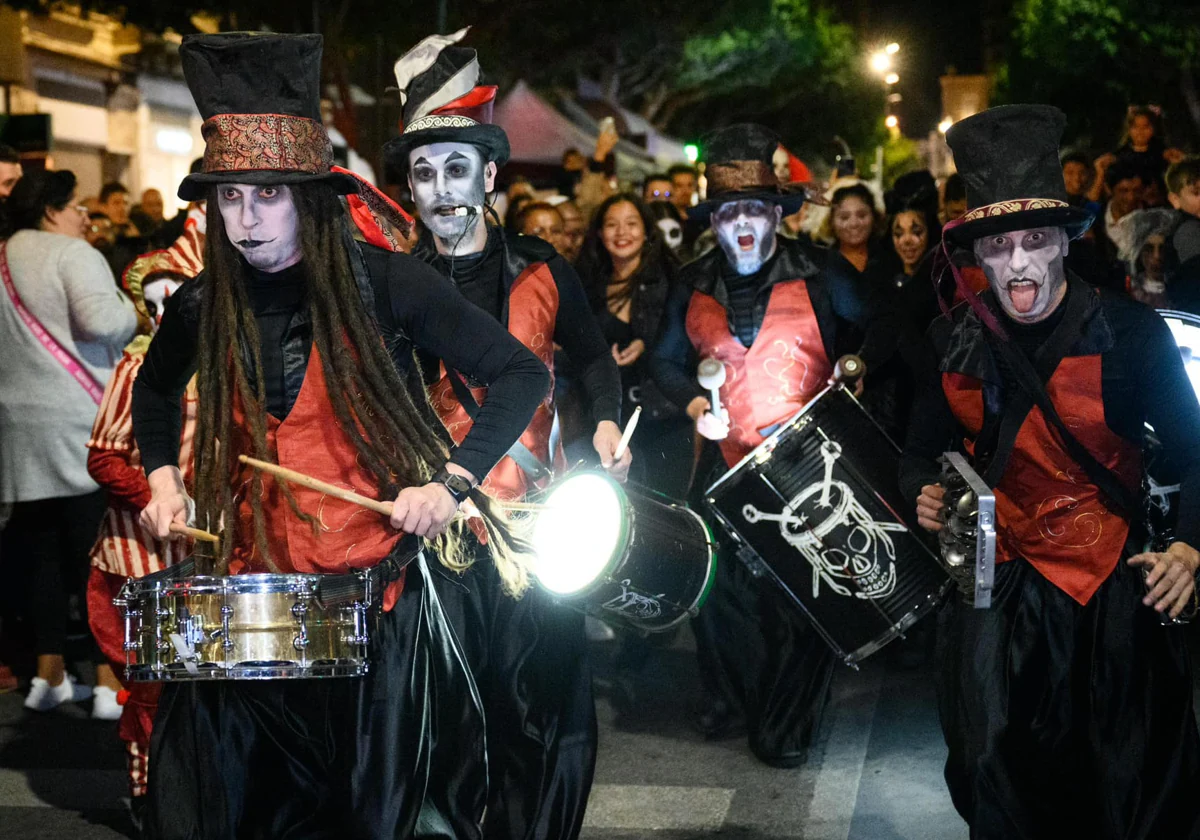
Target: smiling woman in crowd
column 627, row 270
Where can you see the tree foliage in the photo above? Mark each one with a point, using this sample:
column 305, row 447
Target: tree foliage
column 1094, row 57
column 686, row 65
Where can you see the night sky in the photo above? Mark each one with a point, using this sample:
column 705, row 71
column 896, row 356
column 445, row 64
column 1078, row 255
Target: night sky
column 933, row 36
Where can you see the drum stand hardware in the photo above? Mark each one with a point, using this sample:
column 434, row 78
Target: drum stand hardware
column 968, row 538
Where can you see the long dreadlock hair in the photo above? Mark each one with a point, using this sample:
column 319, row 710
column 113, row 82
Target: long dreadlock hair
column 390, row 433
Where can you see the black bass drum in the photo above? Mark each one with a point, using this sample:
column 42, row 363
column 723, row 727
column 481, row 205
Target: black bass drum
column 817, row 507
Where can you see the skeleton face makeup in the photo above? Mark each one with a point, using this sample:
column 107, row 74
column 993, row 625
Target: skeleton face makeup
column 746, row 233
column 262, row 224
column 448, row 179
column 672, row 232
column 155, row 294
column 1025, row 270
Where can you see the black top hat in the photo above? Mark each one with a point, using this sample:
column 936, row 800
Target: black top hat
column 260, row 98
column 739, row 166
column 1008, row 159
column 443, row 101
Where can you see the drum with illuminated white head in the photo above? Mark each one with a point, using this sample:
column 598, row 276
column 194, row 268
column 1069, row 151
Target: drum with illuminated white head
column 1161, row 471
column 620, row 555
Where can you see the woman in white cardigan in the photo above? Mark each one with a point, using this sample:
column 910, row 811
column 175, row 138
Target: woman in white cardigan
column 63, row 323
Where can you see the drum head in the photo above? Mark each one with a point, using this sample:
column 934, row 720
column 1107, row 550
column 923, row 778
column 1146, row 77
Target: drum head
column 580, row 533
column 1186, row 330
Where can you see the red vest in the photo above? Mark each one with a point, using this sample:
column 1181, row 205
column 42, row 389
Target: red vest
column 310, row 441
column 1048, row 511
column 533, row 309
column 772, row 379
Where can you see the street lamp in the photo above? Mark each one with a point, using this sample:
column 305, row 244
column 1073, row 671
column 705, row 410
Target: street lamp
column 891, row 78
column 945, row 124
column 892, row 121
column 892, row 48
column 881, row 62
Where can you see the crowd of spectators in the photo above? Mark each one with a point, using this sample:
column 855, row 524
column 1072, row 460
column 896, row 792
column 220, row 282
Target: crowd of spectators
column 66, row 255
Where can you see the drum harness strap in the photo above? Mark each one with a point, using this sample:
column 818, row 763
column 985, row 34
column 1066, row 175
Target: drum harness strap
column 1031, row 376
column 345, row 589
column 519, row 452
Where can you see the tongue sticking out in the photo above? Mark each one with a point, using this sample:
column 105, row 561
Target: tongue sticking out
column 1023, row 294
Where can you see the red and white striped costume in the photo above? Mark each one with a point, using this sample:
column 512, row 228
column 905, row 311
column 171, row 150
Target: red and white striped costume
column 123, row 548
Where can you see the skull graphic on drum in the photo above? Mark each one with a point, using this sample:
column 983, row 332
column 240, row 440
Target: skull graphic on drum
column 848, row 550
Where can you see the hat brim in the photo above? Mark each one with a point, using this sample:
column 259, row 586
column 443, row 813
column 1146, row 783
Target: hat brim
column 1075, row 219
column 491, row 139
column 195, row 187
column 789, row 201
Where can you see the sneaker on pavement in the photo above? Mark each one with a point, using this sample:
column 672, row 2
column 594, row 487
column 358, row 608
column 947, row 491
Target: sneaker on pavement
column 43, row 697
column 104, row 704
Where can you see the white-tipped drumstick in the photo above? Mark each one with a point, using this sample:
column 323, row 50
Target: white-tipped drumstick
column 627, row 434
column 711, row 375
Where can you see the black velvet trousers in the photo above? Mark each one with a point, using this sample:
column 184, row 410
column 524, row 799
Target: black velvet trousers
column 760, row 656
column 1066, row 720
column 529, row 657
column 397, row 753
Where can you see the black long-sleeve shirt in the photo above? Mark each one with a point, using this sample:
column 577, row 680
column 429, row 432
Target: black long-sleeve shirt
column 412, row 301
column 1142, row 381
column 851, row 318
column 481, row 279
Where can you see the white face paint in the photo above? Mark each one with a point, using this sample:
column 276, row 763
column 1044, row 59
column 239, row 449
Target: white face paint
column 449, row 177
column 262, row 223
column 155, row 294
column 746, row 233
column 672, row 232
column 1025, row 270
column 779, row 160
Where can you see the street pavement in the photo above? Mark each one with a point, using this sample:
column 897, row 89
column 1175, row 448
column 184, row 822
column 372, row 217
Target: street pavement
column 875, row 773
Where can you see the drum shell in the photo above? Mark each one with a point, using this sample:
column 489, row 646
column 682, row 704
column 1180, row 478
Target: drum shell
column 241, row 627
column 786, row 468
column 661, row 572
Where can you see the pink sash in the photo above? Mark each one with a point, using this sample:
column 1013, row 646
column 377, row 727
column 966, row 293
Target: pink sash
column 64, row 358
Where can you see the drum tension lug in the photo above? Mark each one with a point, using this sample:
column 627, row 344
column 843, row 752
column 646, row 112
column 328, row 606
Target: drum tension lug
column 300, row 613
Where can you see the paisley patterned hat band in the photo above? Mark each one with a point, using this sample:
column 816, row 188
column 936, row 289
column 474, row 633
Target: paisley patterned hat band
column 265, row 142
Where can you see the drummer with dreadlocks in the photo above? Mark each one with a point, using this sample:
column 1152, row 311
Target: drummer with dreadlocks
column 530, row 654
column 1066, row 705
column 295, row 331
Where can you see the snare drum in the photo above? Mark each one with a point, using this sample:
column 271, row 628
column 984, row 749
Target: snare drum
column 817, row 507
column 242, row 627
column 622, row 555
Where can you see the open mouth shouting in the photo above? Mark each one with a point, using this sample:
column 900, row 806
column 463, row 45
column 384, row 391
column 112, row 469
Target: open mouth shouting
column 745, row 241
column 1023, row 293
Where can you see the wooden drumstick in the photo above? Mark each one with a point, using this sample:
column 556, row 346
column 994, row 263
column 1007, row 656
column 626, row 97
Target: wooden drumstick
column 284, row 474
column 194, row 533
column 627, row 435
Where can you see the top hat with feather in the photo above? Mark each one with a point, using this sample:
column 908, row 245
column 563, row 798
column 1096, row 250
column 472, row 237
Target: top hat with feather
column 443, row 101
